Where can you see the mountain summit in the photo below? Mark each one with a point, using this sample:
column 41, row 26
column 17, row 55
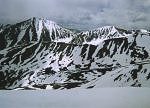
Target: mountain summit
column 40, row 54
column 33, row 30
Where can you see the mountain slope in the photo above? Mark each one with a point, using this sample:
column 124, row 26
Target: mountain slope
column 33, row 30
column 39, row 54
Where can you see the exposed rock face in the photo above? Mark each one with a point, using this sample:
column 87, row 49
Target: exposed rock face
column 39, row 54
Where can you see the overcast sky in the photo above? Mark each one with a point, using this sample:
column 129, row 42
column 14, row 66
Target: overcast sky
column 81, row 14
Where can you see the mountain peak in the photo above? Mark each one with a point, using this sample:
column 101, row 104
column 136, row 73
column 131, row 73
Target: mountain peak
column 42, row 23
column 38, row 53
column 44, row 20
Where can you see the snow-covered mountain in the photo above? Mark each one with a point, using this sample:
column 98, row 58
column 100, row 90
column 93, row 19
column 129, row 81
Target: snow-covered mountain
column 40, row 54
column 96, row 36
column 33, row 30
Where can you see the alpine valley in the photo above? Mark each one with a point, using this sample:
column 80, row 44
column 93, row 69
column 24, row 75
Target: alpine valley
column 40, row 54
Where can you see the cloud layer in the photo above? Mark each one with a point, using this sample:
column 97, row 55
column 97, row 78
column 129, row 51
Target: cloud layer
column 82, row 14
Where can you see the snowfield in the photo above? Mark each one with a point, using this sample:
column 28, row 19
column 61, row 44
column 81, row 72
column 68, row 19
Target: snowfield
column 77, row 98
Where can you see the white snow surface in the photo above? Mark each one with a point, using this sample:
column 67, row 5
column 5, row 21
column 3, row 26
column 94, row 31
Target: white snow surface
column 64, row 40
column 77, row 98
column 52, row 27
column 144, row 31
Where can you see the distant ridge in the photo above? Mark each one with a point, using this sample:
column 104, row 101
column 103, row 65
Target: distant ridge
column 40, row 54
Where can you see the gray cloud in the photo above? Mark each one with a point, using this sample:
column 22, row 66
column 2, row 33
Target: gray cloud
column 82, row 14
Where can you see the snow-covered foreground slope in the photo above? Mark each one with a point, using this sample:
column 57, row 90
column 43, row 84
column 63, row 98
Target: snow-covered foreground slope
column 39, row 54
column 77, row 98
